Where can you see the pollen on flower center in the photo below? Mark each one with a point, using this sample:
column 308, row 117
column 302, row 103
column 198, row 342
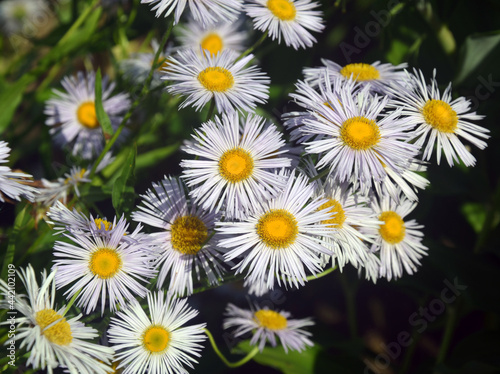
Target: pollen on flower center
column 216, row 79
column 86, row 115
column 270, row 319
column 60, row 332
column 188, row 233
column 360, row 133
column 440, row 116
column 236, row 165
column 76, row 177
column 103, row 224
column 360, row 72
column 277, row 228
column 212, row 43
column 105, row 263
column 156, row 339
column 283, row 9
column 393, row 229
column 337, row 213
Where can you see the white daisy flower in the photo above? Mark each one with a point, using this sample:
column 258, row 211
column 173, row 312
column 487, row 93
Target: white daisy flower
column 14, row 184
column 349, row 212
column 281, row 239
column 359, row 141
column 72, row 117
column 398, row 240
column 52, row 339
column 440, row 120
column 186, row 243
column 157, row 342
column 237, row 166
column 20, row 16
column 288, row 19
column 214, row 38
column 378, row 76
column 204, row 11
column 221, row 78
column 371, row 267
column 60, row 190
column 266, row 325
column 136, row 68
column 102, row 267
column 407, row 182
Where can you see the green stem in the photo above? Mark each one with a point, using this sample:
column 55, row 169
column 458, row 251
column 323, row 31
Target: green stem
column 83, row 17
column 211, row 109
column 491, row 211
column 144, row 91
column 409, row 352
column 236, row 364
column 320, row 275
column 321, row 174
column 448, row 333
column 71, row 302
column 251, row 49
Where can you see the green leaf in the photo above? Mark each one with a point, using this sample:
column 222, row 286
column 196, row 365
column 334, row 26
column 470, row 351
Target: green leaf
column 10, row 98
column 102, row 116
column 11, row 248
column 153, row 157
column 475, row 214
column 123, row 194
column 289, row 363
column 480, row 52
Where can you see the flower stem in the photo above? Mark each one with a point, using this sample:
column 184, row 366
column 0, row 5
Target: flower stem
column 236, row 364
column 320, row 175
column 251, row 49
column 144, row 91
column 71, row 302
column 211, row 109
column 322, row 274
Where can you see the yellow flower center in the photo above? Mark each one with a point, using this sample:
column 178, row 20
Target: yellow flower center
column 105, row 263
column 236, row 165
column 216, row 79
column 270, row 319
column 393, row 229
column 156, row 339
column 59, row 333
column 102, row 223
column 212, row 43
column 283, row 9
column 360, row 72
column 76, row 177
column 86, row 115
column 440, row 115
column 188, row 234
column 337, row 213
column 277, row 228
column 360, row 133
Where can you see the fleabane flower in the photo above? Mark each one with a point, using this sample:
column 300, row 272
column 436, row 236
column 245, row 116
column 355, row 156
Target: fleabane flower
column 349, row 211
column 290, row 20
column 221, row 77
column 136, row 68
column 214, row 38
column 205, row 12
column 281, row 239
column 267, row 325
column 379, row 77
column 358, row 140
column 440, row 120
column 14, row 184
column 102, row 267
column 237, row 166
column 52, row 339
column 398, row 241
column 186, row 243
column 156, row 341
column 71, row 114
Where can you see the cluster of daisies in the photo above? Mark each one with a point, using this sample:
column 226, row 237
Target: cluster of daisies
column 270, row 207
